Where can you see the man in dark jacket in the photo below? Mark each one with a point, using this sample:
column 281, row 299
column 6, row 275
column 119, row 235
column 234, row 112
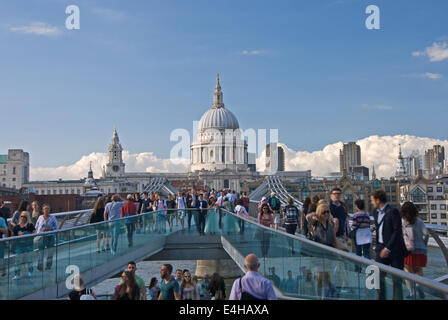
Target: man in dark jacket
column 193, row 206
column 390, row 248
column 202, row 214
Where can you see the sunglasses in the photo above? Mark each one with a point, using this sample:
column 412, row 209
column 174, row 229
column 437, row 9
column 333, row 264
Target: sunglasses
column 325, row 212
column 24, row 217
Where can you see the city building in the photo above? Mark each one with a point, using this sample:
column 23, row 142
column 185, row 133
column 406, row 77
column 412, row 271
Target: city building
column 413, row 163
column 430, row 196
column 274, row 158
column 400, row 173
column 14, row 169
column 349, row 156
column 359, row 173
column 434, row 160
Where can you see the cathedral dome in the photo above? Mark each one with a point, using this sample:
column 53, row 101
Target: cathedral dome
column 218, row 117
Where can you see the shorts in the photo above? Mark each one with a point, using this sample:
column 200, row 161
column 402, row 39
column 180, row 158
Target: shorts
column 277, row 218
column 170, row 217
column 181, row 214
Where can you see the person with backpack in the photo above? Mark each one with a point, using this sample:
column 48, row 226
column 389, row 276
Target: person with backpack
column 80, row 292
column 252, row 286
column 160, row 209
column 274, row 204
column 416, row 238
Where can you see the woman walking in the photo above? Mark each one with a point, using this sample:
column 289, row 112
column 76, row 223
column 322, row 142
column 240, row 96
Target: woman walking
column 217, row 287
column 229, row 222
column 170, row 211
column 154, row 288
column 212, row 222
column 264, row 218
column 416, row 238
column 361, row 230
column 188, row 290
column 181, row 205
column 23, row 247
column 128, row 290
column 323, row 230
column 98, row 216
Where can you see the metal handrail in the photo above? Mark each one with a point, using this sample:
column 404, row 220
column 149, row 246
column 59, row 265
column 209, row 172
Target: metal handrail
column 358, row 259
column 90, row 224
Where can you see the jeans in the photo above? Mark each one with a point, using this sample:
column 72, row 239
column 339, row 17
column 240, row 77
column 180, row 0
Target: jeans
column 201, row 220
column 241, row 223
column 363, row 250
column 130, row 228
column 47, row 242
column 291, row 229
column 114, row 234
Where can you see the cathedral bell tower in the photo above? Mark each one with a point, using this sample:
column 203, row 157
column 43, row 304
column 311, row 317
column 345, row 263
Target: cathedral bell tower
column 115, row 165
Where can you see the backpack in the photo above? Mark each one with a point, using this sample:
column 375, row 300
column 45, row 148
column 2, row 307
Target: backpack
column 87, row 296
column 246, row 295
column 275, row 203
column 408, row 237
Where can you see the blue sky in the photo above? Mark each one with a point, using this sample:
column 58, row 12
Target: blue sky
column 309, row 68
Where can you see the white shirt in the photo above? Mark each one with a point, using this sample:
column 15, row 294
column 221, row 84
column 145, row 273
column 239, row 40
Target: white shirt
column 381, row 214
column 180, row 203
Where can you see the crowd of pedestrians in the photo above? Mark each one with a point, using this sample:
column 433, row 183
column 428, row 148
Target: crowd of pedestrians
column 28, row 219
column 401, row 236
column 183, row 285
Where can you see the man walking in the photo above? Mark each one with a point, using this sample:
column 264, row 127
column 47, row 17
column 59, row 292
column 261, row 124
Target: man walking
column 202, row 214
column 112, row 211
column 169, row 288
column 252, row 286
column 390, row 248
column 129, row 209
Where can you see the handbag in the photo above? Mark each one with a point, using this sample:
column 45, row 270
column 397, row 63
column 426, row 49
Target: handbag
column 87, row 296
column 342, row 244
column 408, row 237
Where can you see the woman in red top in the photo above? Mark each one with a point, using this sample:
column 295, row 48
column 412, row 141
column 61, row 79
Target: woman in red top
column 265, row 218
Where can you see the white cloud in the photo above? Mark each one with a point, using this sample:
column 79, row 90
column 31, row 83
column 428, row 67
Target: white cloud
column 252, row 52
column 377, row 107
column 37, row 28
column 140, row 162
column 426, row 75
column 110, row 14
column 433, row 76
column 381, row 151
column 437, row 52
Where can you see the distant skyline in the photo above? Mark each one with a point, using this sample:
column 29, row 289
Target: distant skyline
column 310, row 69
